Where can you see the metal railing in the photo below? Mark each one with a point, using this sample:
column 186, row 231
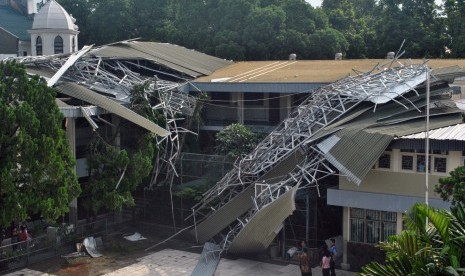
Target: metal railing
column 57, row 241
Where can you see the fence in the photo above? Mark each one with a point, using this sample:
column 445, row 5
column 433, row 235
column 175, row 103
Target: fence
column 57, row 241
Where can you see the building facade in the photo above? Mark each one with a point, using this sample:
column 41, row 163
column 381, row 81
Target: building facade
column 23, row 32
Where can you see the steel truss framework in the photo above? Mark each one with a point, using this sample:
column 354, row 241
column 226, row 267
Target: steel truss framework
column 116, row 79
column 324, row 106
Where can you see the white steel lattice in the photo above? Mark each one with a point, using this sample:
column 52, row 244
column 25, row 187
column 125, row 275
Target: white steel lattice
column 324, row 106
column 116, row 79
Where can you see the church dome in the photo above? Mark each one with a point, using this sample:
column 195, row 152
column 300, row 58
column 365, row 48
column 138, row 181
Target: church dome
column 53, row 16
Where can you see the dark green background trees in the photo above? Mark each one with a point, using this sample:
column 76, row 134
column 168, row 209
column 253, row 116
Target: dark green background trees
column 272, row 29
column 36, row 165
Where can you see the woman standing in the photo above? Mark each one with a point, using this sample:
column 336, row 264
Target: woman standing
column 325, row 263
column 305, row 263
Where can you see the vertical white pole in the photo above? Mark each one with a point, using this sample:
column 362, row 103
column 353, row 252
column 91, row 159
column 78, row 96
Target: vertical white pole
column 427, row 136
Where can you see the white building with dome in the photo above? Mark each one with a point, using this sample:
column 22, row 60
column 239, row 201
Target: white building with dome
column 24, row 33
column 53, row 31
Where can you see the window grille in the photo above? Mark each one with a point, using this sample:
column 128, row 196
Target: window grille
column 371, row 226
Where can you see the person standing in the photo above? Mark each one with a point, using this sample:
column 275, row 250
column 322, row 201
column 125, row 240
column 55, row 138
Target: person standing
column 305, row 263
column 325, row 263
column 333, row 252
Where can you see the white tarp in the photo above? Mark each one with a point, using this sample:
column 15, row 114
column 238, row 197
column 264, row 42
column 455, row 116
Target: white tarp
column 135, row 237
column 91, row 247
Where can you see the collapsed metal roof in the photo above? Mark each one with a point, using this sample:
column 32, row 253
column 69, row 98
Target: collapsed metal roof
column 104, row 78
column 329, row 132
column 187, row 61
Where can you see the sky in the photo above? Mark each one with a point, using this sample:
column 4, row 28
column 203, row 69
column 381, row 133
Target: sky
column 314, row 3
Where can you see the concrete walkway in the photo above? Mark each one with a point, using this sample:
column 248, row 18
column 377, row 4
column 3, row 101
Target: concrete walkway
column 170, row 262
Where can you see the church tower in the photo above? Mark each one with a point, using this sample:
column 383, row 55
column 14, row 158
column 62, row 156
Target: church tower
column 53, row 31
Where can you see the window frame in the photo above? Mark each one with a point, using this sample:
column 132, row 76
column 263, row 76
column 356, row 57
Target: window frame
column 378, row 166
column 383, row 224
column 58, row 45
column 39, row 46
column 434, row 156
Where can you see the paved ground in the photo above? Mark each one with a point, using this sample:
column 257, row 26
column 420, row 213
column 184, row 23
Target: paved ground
column 170, row 262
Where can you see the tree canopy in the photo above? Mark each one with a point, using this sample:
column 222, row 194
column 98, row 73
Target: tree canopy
column 452, row 187
column 36, row 165
column 271, row 29
column 235, row 140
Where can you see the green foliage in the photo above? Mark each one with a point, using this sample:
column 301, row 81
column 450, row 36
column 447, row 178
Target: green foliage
column 116, row 170
column 235, row 140
column 270, row 29
column 433, row 249
column 192, row 193
column 452, row 188
column 36, row 165
column 115, row 173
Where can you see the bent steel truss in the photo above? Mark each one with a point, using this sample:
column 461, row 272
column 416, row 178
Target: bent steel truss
column 275, row 167
column 116, row 79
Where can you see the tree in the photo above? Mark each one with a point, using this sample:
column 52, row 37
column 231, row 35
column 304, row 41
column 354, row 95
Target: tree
column 235, row 140
column 115, row 173
column 36, row 165
column 455, row 23
column 117, row 170
column 433, row 249
column 416, row 21
column 452, row 188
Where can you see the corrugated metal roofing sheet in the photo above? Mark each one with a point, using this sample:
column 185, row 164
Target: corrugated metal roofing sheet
column 260, row 231
column 349, row 154
column 454, row 132
column 208, row 261
column 448, row 73
column 84, row 94
column 225, row 216
column 15, row 23
column 317, row 71
column 190, row 62
column 375, row 129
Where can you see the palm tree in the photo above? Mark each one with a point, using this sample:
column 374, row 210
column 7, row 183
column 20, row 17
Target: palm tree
column 433, row 244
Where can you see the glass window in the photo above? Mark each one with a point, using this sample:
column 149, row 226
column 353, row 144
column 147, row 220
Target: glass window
column 440, row 164
column 39, row 46
column 384, row 161
column 74, row 45
column 407, row 162
column 254, row 99
column 357, row 230
column 58, row 45
column 371, row 226
column 421, row 163
column 220, row 98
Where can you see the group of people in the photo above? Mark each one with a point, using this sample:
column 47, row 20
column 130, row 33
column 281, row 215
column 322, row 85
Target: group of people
column 327, row 260
column 16, row 235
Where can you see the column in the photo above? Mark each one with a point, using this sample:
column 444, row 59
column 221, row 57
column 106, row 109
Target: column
column 71, row 136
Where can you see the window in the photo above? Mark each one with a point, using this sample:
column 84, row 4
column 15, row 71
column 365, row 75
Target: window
column 220, row 98
column 440, row 164
column 74, row 45
column 39, row 46
column 421, row 163
column 417, row 162
column 254, row 99
column 407, row 162
column 58, row 45
column 370, row 226
column 384, row 161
